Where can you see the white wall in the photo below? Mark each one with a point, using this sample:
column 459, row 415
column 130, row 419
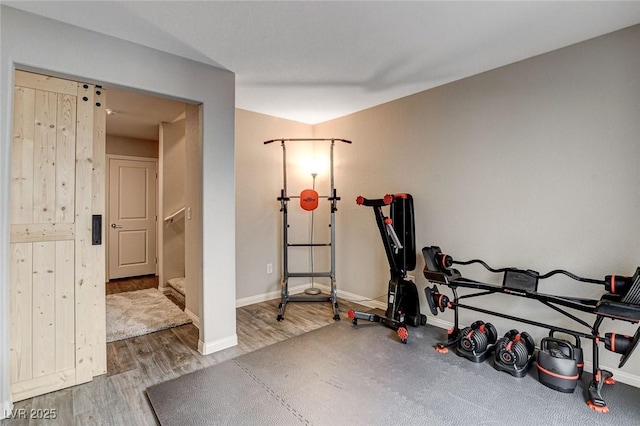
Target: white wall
column 43, row 45
column 532, row 165
column 172, row 143
column 120, row 145
column 193, row 216
column 258, row 184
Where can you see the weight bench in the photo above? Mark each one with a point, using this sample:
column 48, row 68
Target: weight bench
column 399, row 241
column 621, row 302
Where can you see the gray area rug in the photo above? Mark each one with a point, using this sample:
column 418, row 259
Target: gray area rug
column 341, row 375
column 135, row 313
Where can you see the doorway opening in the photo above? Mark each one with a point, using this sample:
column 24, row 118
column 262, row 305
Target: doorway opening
column 148, row 167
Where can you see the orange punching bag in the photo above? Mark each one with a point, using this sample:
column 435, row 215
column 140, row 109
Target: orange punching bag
column 309, row 199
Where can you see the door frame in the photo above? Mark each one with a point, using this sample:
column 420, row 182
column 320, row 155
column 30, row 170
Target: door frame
column 107, row 220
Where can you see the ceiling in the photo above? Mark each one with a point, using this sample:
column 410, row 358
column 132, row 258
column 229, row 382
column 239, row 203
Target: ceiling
column 313, row 61
column 136, row 115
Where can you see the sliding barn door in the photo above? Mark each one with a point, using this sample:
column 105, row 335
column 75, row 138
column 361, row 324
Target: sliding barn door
column 57, row 275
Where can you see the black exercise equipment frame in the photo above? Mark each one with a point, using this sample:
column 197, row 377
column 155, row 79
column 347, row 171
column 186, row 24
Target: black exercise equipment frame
column 438, row 269
column 284, row 198
column 398, row 239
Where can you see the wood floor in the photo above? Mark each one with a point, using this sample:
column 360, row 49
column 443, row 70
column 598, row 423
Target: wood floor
column 131, row 284
column 118, row 397
column 138, row 283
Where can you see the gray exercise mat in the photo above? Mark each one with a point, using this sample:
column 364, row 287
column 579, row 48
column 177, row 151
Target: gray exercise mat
column 340, row 374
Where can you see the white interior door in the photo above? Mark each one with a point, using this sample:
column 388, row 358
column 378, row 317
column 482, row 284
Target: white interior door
column 132, row 217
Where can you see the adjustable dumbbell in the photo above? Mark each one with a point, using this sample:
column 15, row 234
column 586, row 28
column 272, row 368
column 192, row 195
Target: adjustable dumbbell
column 515, row 349
column 476, row 341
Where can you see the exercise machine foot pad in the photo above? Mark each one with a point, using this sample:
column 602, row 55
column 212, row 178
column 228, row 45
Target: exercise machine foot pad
column 403, row 334
column 598, row 408
column 442, row 349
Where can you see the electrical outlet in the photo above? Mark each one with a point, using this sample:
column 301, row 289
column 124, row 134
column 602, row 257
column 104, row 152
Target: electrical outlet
column 269, row 268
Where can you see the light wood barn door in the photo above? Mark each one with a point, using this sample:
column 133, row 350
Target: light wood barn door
column 57, row 274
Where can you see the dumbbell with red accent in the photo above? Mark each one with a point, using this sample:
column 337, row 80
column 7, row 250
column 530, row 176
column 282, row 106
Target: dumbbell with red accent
column 477, row 341
column 436, row 300
column 618, row 343
column 618, row 284
column 514, row 352
column 444, row 260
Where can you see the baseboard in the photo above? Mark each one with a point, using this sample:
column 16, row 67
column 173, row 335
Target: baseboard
column 193, row 317
column 245, row 301
column 618, row 375
column 7, row 409
column 351, row 297
column 440, row 323
column 218, row 345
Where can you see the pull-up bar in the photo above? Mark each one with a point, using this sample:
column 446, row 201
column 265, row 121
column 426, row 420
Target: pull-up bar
column 333, row 197
column 306, row 140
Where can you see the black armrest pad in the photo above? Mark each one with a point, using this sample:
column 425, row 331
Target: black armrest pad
column 611, row 297
column 617, row 310
column 440, row 277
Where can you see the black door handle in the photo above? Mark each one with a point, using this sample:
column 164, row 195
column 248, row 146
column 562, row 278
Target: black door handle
column 96, row 229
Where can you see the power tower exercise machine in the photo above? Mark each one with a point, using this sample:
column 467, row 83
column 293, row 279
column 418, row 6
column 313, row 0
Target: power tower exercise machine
column 398, row 238
column 309, row 202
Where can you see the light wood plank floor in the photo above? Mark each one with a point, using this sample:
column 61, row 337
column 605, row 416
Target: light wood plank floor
column 118, row 397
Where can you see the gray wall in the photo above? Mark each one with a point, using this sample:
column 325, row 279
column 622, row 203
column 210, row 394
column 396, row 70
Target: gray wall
column 531, row 165
column 61, row 50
